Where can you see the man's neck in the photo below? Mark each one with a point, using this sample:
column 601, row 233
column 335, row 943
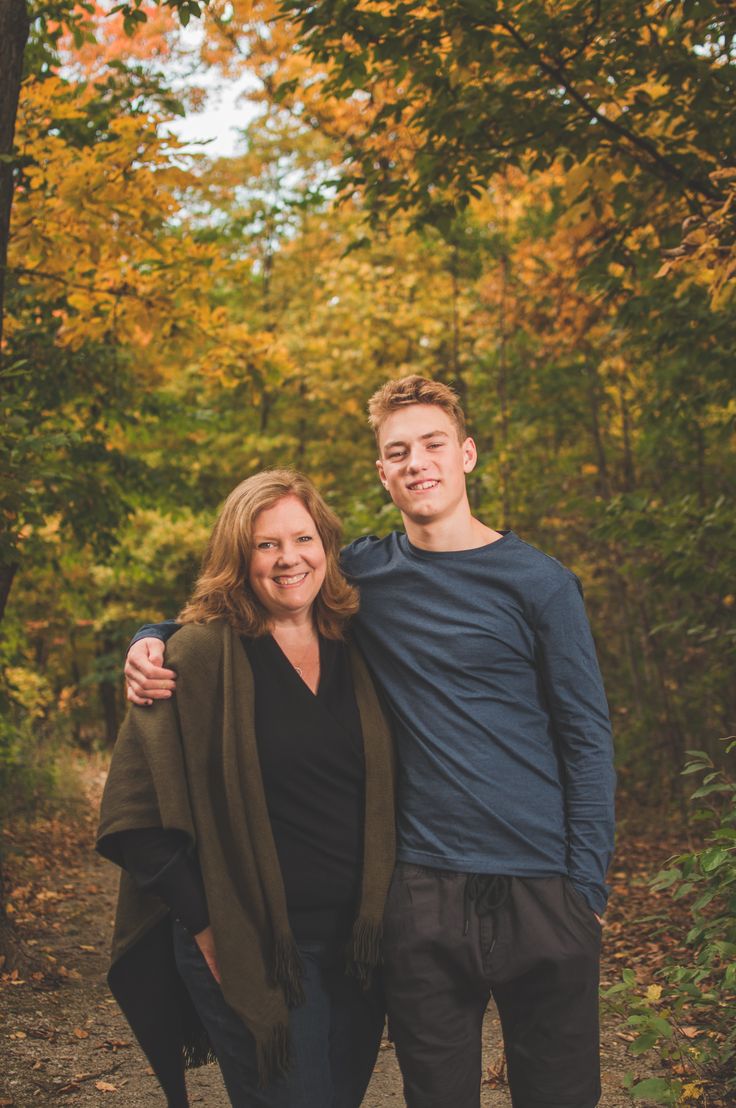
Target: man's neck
column 461, row 531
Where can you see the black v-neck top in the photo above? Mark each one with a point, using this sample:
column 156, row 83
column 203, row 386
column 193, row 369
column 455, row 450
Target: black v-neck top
column 310, row 748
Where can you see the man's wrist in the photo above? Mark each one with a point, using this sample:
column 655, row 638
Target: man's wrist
column 161, row 631
column 595, row 896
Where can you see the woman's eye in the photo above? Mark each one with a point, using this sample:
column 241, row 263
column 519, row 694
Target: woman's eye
column 304, row 538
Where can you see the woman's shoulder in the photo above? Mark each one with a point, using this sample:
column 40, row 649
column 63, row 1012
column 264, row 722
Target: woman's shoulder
column 197, row 645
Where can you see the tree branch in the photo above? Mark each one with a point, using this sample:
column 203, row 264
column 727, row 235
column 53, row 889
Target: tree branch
column 668, row 169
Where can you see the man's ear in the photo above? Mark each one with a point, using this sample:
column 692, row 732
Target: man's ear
column 381, row 474
column 470, row 455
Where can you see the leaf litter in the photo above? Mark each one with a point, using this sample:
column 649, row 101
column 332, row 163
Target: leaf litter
column 65, row 1040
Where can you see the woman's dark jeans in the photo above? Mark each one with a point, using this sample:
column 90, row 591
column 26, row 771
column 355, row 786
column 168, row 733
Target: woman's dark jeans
column 334, row 1035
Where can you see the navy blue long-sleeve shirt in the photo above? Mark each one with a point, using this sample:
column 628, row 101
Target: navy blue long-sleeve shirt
column 502, row 731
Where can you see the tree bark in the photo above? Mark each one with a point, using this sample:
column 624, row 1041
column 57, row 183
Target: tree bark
column 502, row 383
column 14, row 26
column 594, row 401
column 109, row 697
column 7, row 575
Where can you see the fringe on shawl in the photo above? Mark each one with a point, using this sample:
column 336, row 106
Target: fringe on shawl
column 196, row 1048
column 363, row 956
column 364, row 951
column 199, row 1053
column 272, row 1055
column 287, row 969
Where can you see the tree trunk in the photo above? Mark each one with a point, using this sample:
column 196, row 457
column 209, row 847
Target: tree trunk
column 14, row 25
column 629, row 471
column 502, row 391
column 7, row 573
column 594, row 401
column 109, row 697
column 13, row 954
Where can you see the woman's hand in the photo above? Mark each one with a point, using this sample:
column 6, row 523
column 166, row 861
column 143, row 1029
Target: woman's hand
column 205, row 940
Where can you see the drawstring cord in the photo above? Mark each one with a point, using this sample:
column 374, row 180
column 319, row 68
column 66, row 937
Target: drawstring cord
column 488, row 891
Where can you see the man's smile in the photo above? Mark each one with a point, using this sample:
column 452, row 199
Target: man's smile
column 422, row 486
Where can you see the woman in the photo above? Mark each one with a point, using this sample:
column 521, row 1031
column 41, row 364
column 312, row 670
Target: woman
column 253, row 817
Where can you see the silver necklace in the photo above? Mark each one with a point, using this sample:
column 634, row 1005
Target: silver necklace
column 302, row 662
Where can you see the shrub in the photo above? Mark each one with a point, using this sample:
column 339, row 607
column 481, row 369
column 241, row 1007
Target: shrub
column 689, row 1015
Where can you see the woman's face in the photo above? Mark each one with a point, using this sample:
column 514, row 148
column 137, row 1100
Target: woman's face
column 288, row 562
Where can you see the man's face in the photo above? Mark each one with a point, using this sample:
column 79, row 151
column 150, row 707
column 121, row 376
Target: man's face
column 422, row 464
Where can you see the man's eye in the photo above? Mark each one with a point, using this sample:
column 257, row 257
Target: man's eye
column 395, row 456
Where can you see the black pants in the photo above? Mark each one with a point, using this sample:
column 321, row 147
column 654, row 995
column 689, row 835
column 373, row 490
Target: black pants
column 535, row 948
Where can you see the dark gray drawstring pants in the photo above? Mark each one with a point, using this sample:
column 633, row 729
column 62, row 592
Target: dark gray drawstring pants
column 452, row 941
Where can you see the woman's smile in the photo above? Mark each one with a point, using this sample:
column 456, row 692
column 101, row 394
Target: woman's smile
column 287, row 562
column 290, row 582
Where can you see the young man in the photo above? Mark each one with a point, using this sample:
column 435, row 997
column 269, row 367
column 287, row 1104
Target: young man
column 505, row 802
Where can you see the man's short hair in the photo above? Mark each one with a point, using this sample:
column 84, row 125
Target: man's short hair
column 415, row 390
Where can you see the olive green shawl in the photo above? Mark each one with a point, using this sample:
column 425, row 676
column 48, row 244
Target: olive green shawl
column 191, row 764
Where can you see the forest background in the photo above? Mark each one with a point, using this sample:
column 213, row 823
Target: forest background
column 533, row 202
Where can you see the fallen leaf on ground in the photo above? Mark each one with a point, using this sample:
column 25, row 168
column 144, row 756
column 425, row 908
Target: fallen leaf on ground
column 112, row 1044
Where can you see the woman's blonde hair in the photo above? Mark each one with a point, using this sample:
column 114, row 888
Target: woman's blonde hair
column 222, row 590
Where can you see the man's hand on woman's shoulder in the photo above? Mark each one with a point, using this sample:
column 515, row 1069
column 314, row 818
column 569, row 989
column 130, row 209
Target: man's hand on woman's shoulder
column 146, row 678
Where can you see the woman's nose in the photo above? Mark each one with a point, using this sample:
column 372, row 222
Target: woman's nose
column 288, row 555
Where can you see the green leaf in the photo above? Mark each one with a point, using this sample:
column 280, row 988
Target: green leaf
column 644, row 1043
column 708, row 790
column 662, row 1027
column 665, row 879
column 713, row 858
column 658, row 1089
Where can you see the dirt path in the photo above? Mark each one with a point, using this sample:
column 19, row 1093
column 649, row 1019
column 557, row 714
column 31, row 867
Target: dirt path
column 63, row 1039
